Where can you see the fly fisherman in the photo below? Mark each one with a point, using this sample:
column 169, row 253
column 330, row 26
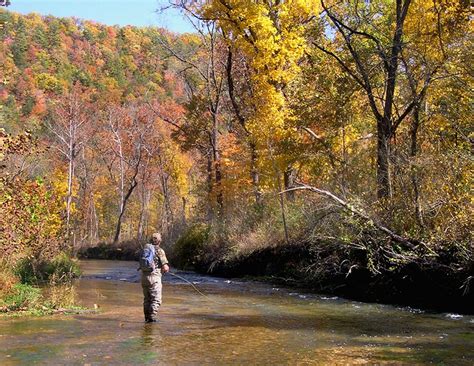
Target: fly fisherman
column 153, row 264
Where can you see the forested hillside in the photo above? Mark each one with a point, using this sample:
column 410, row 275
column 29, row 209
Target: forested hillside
column 91, row 97
column 339, row 135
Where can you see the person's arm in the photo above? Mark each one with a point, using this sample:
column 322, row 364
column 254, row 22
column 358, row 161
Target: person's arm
column 164, row 261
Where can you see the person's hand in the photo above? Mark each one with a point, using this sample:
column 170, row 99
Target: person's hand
column 165, row 268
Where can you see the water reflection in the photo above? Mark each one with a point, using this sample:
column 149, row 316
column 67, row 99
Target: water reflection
column 147, row 335
column 151, row 335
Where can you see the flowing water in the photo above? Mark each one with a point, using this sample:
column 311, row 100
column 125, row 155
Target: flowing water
column 235, row 323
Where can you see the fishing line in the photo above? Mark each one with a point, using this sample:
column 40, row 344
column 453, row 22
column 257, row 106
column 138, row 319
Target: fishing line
column 195, row 288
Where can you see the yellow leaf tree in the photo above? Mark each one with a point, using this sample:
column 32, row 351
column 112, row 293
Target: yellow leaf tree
column 270, row 36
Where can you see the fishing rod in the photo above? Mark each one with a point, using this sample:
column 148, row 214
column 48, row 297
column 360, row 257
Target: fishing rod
column 194, row 287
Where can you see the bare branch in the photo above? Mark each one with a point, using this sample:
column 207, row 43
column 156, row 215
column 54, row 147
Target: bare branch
column 360, row 67
column 332, row 158
column 408, row 242
column 343, row 65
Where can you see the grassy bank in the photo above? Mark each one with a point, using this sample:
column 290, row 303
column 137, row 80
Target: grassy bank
column 38, row 288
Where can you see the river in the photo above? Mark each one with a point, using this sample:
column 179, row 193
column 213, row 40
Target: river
column 235, row 323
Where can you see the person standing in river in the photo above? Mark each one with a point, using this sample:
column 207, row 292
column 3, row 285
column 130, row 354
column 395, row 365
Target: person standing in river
column 151, row 276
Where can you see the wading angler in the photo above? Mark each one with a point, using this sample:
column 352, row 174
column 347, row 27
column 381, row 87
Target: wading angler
column 153, row 263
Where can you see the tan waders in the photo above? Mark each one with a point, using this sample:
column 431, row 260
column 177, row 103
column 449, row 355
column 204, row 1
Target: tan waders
column 151, row 284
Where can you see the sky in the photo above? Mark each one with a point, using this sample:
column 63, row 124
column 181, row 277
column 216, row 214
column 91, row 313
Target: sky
column 111, row 12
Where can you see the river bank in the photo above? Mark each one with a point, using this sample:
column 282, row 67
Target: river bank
column 424, row 283
column 420, row 284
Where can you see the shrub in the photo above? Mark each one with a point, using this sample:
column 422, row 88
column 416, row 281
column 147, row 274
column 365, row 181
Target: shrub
column 63, row 267
column 190, row 247
column 60, row 293
column 7, row 280
column 26, row 271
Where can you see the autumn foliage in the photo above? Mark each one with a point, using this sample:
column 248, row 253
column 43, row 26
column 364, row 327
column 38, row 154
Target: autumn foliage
column 143, row 130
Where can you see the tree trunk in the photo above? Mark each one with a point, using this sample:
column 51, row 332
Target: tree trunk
column 122, row 211
column 167, row 201
column 387, row 124
column 167, row 219
column 255, row 174
column 210, row 180
column 183, row 217
column 289, row 180
column 414, row 174
column 141, row 219
column 385, row 127
column 384, row 187
column 283, row 210
column 281, row 197
column 94, row 221
column 142, row 222
column 217, row 167
column 123, row 205
column 344, row 173
column 69, row 191
column 118, row 227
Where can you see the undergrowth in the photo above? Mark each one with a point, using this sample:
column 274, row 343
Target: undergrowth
column 38, row 288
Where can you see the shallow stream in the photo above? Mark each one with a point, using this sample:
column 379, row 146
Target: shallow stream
column 235, row 323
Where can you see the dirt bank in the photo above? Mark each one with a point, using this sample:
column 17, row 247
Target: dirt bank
column 422, row 283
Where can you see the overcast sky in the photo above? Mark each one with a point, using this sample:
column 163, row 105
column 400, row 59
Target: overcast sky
column 122, row 12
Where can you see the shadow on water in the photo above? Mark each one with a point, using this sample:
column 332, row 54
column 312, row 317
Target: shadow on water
column 236, row 323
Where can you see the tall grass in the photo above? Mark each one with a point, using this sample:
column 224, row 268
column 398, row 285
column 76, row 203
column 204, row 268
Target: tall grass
column 38, row 287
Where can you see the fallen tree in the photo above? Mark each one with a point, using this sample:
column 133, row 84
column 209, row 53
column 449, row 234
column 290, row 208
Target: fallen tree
column 408, row 242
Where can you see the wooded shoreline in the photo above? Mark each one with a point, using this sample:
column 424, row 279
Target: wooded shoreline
column 429, row 285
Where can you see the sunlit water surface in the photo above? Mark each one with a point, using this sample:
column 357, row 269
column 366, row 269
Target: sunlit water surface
column 235, row 323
